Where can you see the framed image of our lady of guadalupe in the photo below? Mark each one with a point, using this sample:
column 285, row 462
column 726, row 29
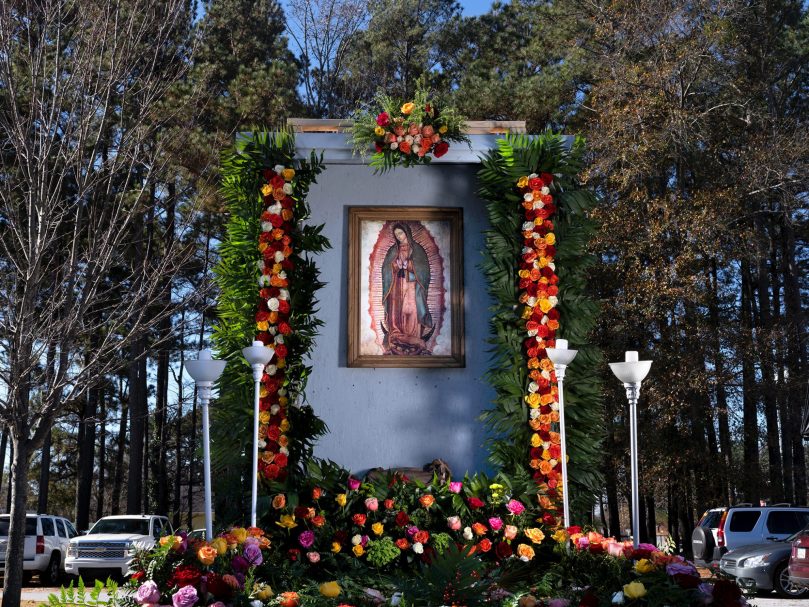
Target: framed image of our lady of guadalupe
column 405, row 287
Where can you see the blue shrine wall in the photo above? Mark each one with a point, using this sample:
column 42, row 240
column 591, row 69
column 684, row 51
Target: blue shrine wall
column 398, row 417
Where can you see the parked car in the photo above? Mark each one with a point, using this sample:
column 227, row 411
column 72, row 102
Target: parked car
column 723, row 529
column 46, row 543
column 764, row 566
column 108, row 548
column 799, row 560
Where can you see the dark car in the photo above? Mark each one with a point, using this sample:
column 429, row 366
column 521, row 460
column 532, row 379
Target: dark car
column 764, row 566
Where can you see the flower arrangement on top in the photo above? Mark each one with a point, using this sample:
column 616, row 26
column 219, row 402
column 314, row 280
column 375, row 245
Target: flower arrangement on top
column 406, row 133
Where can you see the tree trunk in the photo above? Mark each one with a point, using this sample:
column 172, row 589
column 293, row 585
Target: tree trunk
column 118, row 478
column 44, row 475
column 651, row 519
column 137, row 423
column 178, row 456
column 159, row 470
column 751, row 483
column 86, row 461
column 102, row 455
column 21, row 459
column 3, row 449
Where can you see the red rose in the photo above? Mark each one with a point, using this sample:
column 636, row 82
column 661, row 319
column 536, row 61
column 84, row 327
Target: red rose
column 272, row 471
column 267, row 174
column 378, row 145
column 402, row 519
column 273, row 433
column 218, row 587
column 422, row 537
column 283, row 306
column 138, row 575
column 359, row 519
column 302, row 512
column 475, row 503
column 284, row 328
column 440, row 149
column 548, row 519
column 485, row 545
column 187, row 575
column 281, row 460
column 280, row 351
column 503, row 550
column 402, row 544
column 547, row 178
column 388, row 504
column 535, row 183
column 383, row 119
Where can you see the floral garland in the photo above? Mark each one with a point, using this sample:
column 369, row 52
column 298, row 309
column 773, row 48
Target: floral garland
column 538, row 285
column 272, row 318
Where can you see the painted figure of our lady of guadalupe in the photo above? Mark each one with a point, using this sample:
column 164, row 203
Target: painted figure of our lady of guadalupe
column 408, row 325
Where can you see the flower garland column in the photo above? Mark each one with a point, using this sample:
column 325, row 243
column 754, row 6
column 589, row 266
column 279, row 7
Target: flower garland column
column 538, row 285
column 272, row 318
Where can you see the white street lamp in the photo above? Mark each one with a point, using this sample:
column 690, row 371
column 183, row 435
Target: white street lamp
column 631, row 373
column 258, row 355
column 561, row 357
column 205, row 371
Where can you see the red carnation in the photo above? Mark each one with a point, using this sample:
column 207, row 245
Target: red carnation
column 359, row 520
column 187, row 575
column 294, row 554
column 475, row 503
column 383, row 119
column 440, row 149
column 402, row 519
column 402, row 544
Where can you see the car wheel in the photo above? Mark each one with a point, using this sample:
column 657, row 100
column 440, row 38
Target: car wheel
column 785, row 588
column 52, row 573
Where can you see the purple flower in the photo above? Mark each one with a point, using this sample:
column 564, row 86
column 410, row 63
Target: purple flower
column 253, row 554
column 558, row 603
column 239, row 563
column 148, row 593
column 185, row 597
column 412, row 530
column 680, row 569
column 306, row 539
column 650, row 547
column 515, row 507
column 455, row 486
column 183, row 541
column 364, row 541
column 353, row 483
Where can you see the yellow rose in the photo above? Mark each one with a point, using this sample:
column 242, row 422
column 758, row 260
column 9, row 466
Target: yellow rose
column 522, row 182
column 550, row 238
column 288, row 174
column 408, row 108
column 358, row 550
column 532, row 400
column 545, row 305
column 220, row 545
column 284, row 425
column 282, row 400
column 379, row 131
column 287, row 521
column 240, row 533
column 336, row 547
column 262, row 325
column 644, row 566
column 560, row 536
column 263, row 592
column 443, row 129
column 330, row 590
column 536, row 441
column 341, row 499
column 207, row 555
column 263, row 392
column 525, row 552
column 377, row 528
column 264, row 417
column 535, row 535
column 634, row 590
column 266, row 189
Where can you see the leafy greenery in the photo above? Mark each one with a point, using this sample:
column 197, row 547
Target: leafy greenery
column 237, row 277
column 517, row 156
column 71, row 596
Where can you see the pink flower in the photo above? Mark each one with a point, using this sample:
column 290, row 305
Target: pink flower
column 372, row 504
column 427, row 131
column 414, row 130
column 454, row 523
column 455, row 486
column 314, row 557
column 148, row 593
column 515, row 507
column 510, row 532
column 353, row 483
column 185, row 597
column 496, row 523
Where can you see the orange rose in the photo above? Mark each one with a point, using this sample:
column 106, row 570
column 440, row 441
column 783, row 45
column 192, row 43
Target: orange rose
column 545, row 467
column 207, row 555
column 289, row 599
column 317, row 492
column 404, row 147
column 427, row 500
column 525, row 552
column 408, row 108
column 485, row 545
column 479, row 529
column 279, row 501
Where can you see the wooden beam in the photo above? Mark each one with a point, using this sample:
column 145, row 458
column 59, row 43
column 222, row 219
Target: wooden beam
column 473, row 127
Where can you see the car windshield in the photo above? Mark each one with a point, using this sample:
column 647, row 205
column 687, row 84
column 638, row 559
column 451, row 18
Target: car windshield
column 139, row 526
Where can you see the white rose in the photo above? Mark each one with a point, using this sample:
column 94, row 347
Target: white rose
column 356, row 539
column 279, row 339
column 272, row 330
column 533, row 387
column 283, row 294
column 393, row 145
column 554, row 406
column 526, row 250
column 532, row 333
column 416, row 148
column 262, row 443
column 544, row 320
column 271, row 369
column 275, row 409
column 282, row 392
column 538, row 204
column 546, row 375
column 283, row 450
column 418, row 548
column 532, row 301
column 528, row 197
column 400, row 139
column 409, row 139
column 553, row 299
column 545, row 191
column 534, row 413
column 552, row 266
column 287, row 187
column 273, row 303
column 467, row 533
column 532, row 176
column 417, row 139
column 266, row 226
column 279, row 257
column 260, row 265
column 528, row 225
column 275, row 209
column 278, row 168
column 282, row 275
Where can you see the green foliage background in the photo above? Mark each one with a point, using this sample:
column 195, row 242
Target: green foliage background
column 515, row 156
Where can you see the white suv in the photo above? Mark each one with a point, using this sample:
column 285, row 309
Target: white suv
column 46, row 542
column 723, row 529
column 110, row 545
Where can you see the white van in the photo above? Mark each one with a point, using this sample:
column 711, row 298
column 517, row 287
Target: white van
column 46, row 541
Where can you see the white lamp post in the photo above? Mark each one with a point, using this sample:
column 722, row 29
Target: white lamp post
column 205, row 371
column 258, row 355
column 631, row 373
column 561, row 357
